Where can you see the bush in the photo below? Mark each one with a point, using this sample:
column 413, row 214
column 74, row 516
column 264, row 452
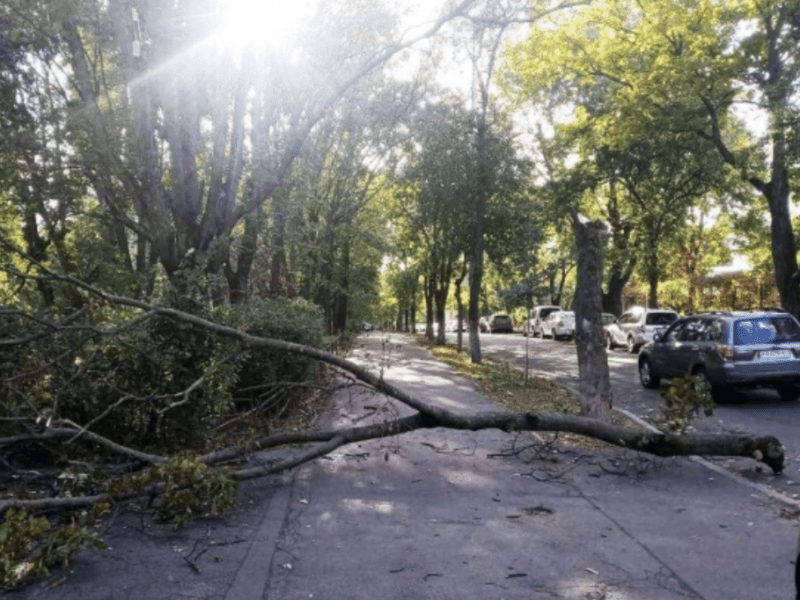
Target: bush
column 263, row 369
column 131, row 386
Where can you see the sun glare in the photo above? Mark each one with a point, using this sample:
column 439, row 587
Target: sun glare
column 272, row 24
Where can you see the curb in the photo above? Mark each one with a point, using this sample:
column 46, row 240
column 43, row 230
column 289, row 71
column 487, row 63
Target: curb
column 254, row 572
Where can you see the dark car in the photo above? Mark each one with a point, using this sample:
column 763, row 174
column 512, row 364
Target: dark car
column 743, row 349
column 501, row 323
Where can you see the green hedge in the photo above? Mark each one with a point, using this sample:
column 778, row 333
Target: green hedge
column 294, row 321
column 128, row 386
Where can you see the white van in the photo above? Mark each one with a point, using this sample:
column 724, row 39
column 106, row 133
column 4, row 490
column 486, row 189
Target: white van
column 533, row 325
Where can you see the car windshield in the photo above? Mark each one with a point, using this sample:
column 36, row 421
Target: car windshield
column 608, row 319
column 766, row 330
column 546, row 312
column 660, row 318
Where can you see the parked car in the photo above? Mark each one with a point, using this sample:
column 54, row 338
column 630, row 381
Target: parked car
column 560, row 324
column 729, row 350
column 533, row 325
column 605, row 319
column 501, row 323
column 366, row 326
column 636, row 327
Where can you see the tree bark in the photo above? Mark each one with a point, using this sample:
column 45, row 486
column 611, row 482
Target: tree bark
column 595, row 382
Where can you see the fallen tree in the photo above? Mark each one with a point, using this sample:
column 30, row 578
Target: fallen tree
column 765, row 449
column 180, row 485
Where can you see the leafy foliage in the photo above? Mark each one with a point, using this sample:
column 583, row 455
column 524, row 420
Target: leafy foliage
column 158, row 382
column 137, row 387
column 683, row 399
column 30, row 546
column 189, row 488
column 295, row 321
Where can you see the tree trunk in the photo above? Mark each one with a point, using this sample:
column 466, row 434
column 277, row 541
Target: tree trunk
column 440, row 297
column 784, row 252
column 476, row 261
column 652, row 290
column 429, row 308
column 238, row 280
column 612, row 299
column 595, row 382
column 340, row 314
column 460, row 305
column 278, row 251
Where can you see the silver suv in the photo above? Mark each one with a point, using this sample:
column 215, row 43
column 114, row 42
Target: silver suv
column 729, row 349
column 533, row 325
column 636, row 327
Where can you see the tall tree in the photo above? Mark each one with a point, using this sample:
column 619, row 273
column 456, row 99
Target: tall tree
column 686, row 68
column 435, row 202
column 183, row 138
column 595, row 382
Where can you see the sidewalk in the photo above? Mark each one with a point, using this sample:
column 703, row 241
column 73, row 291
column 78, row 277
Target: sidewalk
column 432, row 514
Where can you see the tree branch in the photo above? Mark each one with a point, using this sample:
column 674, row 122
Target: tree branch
column 765, row 449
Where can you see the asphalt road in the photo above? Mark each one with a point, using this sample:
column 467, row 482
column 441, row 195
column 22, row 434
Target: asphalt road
column 759, row 412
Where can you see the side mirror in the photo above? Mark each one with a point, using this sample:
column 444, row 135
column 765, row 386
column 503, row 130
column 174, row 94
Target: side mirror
column 658, row 336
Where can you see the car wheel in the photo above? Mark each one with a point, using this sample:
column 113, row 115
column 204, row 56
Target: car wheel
column 788, row 392
column 631, row 345
column 720, row 394
column 646, row 375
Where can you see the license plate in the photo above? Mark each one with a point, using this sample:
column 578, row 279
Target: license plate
column 775, row 354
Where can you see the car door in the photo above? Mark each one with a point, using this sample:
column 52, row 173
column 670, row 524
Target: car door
column 618, row 329
column 664, row 353
column 547, row 324
column 687, row 351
